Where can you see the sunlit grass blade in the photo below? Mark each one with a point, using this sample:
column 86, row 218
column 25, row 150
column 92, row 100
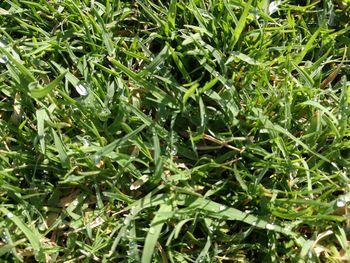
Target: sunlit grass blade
column 42, row 92
column 241, row 22
column 60, row 148
column 41, row 116
column 220, row 211
column 32, row 237
column 156, row 225
column 307, row 47
column 110, row 147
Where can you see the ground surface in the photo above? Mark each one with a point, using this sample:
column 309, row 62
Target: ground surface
column 174, row 131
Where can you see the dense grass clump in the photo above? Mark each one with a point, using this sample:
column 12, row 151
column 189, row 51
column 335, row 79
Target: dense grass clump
column 174, row 131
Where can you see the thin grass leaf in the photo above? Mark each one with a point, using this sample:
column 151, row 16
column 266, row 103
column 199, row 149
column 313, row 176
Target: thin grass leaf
column 323, row 109
column 305, row 76
column 269, row 125
column 170, row 25
column 208, row 85
column 69, row 76
column 204, row 253
column 157, row 154
column 41, row 116
column 156, row 62
column 307, row 47
column 220, row 211
column 343, row 241
column 200, row 18
column 176, row 231
column 241, row 23
column 42, row 92
column 245, row 58
column 153, row 233
column 19, row 66
column 155, row 91
column 61, row 150
column 32, row 237
column 110, row 147
column 189, row 93
column 179, row 63
column 11, row 246
column 229, row 10
column 153, row 15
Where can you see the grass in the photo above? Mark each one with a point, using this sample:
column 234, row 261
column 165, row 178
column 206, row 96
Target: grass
column 174, row 131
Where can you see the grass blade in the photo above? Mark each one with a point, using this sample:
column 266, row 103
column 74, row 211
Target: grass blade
column 42, row 92
column 110, row 147
column 241, row 23
column 220, row 211
column 190, row 92
column 153, row 233
column 31, row 236
column 41, row 116
column 307, row 47
column 60, row 148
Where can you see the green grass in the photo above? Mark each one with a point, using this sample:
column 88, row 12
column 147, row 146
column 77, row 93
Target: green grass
column 174, row 131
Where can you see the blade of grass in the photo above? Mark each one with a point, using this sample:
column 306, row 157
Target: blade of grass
column 110, row 147
column 189, row 93
column 162, row 215
column 307, row 47
column 42, row 92
column 31, row 236
column 155, row 91
column 41, row 116
column 220, row 211
column 170, row 25
column 60, row 148
column 241, row 23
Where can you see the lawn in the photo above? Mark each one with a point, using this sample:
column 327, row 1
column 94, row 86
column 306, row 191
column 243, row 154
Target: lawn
column 174, row 131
